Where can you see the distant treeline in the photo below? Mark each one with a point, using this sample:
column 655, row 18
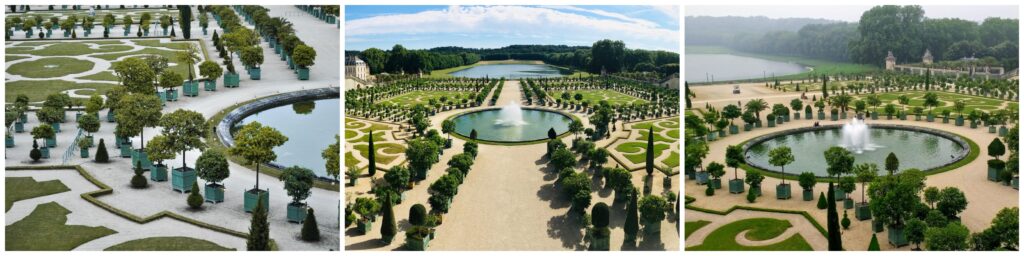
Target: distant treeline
column 612, row 56
column 904, row 30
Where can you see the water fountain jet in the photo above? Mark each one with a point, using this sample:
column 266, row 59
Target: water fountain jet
column 857, row 136
column 510, row 115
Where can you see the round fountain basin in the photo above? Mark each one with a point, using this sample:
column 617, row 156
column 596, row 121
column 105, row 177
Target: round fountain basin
column 916, row 147
column 490, row 125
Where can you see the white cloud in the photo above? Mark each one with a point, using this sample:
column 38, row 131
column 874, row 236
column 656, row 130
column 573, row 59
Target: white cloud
column 641, row 22
column 532, row 21
column 669, row 10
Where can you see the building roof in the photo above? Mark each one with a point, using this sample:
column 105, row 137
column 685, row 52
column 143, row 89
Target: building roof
column 353, row 60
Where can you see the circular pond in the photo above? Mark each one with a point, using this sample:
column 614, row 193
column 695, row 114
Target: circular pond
column 511, row 124
column 915, row 148
column 310, row 127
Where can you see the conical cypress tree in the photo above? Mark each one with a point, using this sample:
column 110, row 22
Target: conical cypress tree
column 822, row 204
column 195, row 200
column 372, row 156
column 835, row 242
column 650, row 150
column 259, row 230
column 101, row 153
column 388, row 230
column 874, row 244
column 632, row 225
column 310, row 231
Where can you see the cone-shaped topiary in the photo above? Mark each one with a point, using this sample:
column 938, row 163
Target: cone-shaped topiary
column 310, row 231
column 259, row 229
column 138, row 181
column 372, row 157
column 552, row 134
column 388, row 228
column 822, row 204
column 650, row 151
column 751, row 197
column 874, row 243
column 599, row 215
column 417, row 215
column 101, row 153
column 195, row 200
column 632, row 225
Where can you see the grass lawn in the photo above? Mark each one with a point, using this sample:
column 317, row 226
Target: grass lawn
column 724, row 238
column 350, row 134
column 378, row 137
column 177, row 67
column 946, row 101
column 350, row 159
column 390, row 148
column 595, row 96
column 102, row 76
column 820, row 66
column 14, row 57
column 423, row 97
column 21, row 188
column 173, row 243
column 444, row 73
column 693, row 226
column 657, row 137
column 672, row 160
column 157, row 43
column 38, row 90
column 634, row 151
column 45, row 230
column 67, row 49
column 50, row 67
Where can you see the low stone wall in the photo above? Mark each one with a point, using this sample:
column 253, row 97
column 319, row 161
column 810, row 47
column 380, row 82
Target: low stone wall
column 224, row 127
column 953, row 137
column 525, row 142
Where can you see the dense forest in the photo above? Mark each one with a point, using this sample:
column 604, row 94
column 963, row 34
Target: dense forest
column 612, row 56
column 904, row 30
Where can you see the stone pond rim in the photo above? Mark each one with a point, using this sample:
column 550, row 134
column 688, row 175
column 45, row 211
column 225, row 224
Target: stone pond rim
column 962, row 141
column 512, row 143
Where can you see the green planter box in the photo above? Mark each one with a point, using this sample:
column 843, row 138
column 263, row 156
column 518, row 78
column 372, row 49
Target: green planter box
column 19, row 127
column 721, row 134
column 834, row 117
column 159, row 173
column 182, row 179
column 945, row 119
column 163, row 98
column 897, row 237
column 45, row 152
column 599, row 243
column 254, row 73
column 874, row 115
column 785, row 118
column 251, row 197
column 210, row 85
column 771, row 124
column 702, row 178
column 713, row 136
column 783, row 191
column 992, row 129
column 84, row 153
column 808, row 195
column 959, row 121
column 839, row 194
column 56, row 127
column 110, row 116
column 779, row 120
column 172, row 94
column 126, row 150
column 808, row 115
column 993, row 174
column 877, row 226
column 92, row 141
column 733, row 129
column 303, row 73
column 78, row 116
column 296, row 212
column 214, row 193
column 796, row 116
column 231, row 80
column 715, row 183
column 191, row 88
column 847, row 203
column 652, row 228
column 51, row 142
column 747, row 127
column 139, row 156
column 842, row 115
column 690, row 174
column 416, row 244
column 863, row 211
column 9, row 142
column 1003, row 131
column 1015, row 182
column 931, row 118
column 736, row 186
column 974, row 125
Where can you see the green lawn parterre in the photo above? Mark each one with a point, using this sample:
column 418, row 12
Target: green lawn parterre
column 633, row 149
column 413, row 98
column 758, row 229
column 595, row 96
column 50, row 67
column 693, row 226
column 21, row 188
column 38, row 90
column 45, row 230
column 174, row 243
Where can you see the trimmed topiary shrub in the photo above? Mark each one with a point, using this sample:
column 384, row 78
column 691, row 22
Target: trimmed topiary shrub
column 751, row 196
column 417, row 215
column 101, row 153
column 822, row 202
column 35, row 154
column 138, row 181
column 874, row 243
column 310, row 232
column 195, row 200
column 846, row 221
column 599, row 215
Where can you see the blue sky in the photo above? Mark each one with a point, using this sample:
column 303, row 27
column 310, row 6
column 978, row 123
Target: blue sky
column 421, row 27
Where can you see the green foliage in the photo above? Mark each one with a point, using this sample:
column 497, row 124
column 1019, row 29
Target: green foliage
column 212, row 166
column 632, row 225
column 652, row 208
column 751, row 196
column 185, row 130
column 421, row 154
column 332, row 157
column 298, row 182
column 259, row 229
column 210, row 70
column 195, row 200
column 252, row 56
column 303, row 56
column 996, row 148
column 952, row 237
column 42, row 131
column 366, row 207
column 310, row 231
column 135, row 75
column 716, row 170
column 754, row 178
column 807, row 180
column 781, row 156
column 136, row 111
column 388, row 228
column 599, row 215
column 101, row 153
column 873, row 246
column 840, row 161
column 137, row 180
column 158, row 149
column 915, row 231
column 417, row 215
column 892, row 164
column 255, row 143
column 893, row 198
column 170, row 79
column 951, row 202
column 563, row 158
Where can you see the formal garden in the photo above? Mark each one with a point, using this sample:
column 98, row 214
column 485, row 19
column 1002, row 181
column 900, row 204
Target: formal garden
column 112, row 128
column 602, row 157
column 885, row 161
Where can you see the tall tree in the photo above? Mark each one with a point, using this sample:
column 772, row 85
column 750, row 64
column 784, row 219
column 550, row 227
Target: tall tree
column 889, row 28
column 185, row 20
column 255, row 143
column 259, row 229
column 650, row 151
column 184, row 130
column 607, row 55
column 835, row 239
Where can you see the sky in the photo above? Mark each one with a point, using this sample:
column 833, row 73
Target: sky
column 422, row 27
column 852, row 13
